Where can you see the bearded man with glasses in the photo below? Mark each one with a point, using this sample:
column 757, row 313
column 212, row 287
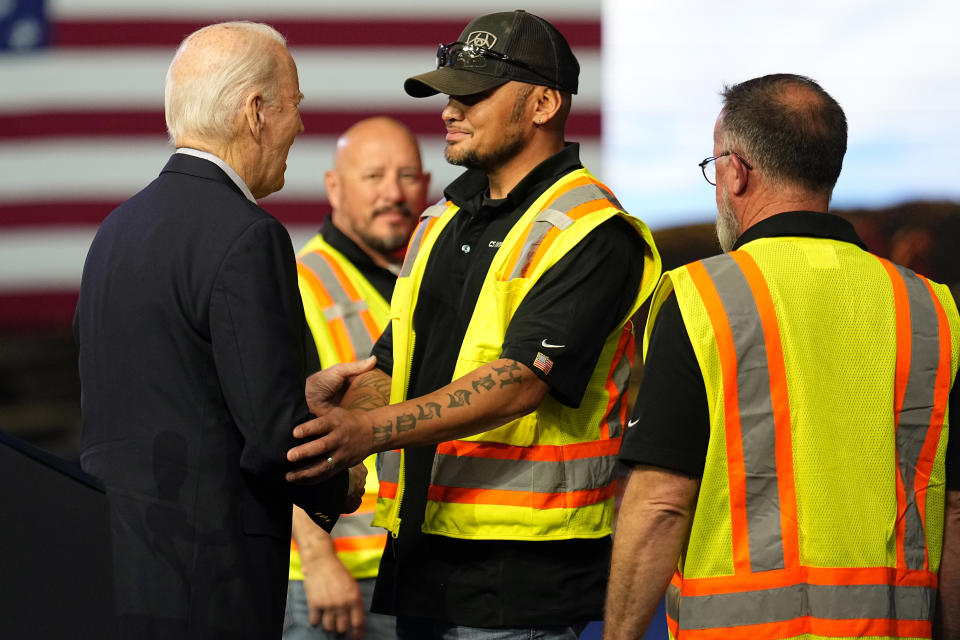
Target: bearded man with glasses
column 791, row 461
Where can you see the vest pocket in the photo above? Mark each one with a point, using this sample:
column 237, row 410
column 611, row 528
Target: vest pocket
column 510, row 293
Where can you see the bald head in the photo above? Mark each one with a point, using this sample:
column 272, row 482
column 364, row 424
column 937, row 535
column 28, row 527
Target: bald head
column 212, row 73
column 355, row 140
column 377, row 187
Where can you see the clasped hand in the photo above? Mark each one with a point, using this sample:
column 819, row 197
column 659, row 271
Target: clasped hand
column 356, row 487
column 342, row 438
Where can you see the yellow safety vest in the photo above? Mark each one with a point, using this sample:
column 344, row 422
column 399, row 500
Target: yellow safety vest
column 820, row 513
column 346, row 315
column 547, row 475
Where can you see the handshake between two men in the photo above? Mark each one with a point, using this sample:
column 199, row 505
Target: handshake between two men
column 338, row 442
column 354, row 420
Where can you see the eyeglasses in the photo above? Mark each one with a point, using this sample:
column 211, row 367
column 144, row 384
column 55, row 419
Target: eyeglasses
column 709, row 166
column 448, row 55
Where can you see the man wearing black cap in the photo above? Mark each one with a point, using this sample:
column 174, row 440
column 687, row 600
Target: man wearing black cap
column 506, row 360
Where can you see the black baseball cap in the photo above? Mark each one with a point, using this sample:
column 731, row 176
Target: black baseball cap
column 496, row 48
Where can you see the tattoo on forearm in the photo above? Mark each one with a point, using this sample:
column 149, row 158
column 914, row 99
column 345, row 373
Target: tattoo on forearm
column 486, row 383
column 508, row 374
column 370, row 392
column 382, row 386
column 406, row 422
column 428, row 411
column 367, row 401
column 382, row 433
column 459, row 398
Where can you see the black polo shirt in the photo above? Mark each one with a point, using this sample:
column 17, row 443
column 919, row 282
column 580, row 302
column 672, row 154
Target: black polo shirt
column 576, row 304
column 671, row 414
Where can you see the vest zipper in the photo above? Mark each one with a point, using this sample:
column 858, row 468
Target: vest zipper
column 402, row 478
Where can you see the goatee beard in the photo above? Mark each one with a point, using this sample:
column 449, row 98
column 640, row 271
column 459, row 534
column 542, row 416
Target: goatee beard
column 470, row 159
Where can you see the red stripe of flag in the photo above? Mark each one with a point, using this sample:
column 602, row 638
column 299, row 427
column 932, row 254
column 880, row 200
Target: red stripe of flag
column 35, row 213
column 328, row 32
column 316, row 122
column 37, row 310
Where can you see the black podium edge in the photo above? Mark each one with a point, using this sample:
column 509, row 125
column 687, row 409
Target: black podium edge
column 57, row 463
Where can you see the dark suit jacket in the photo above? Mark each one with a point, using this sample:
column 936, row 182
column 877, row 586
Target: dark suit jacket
column 193, row 354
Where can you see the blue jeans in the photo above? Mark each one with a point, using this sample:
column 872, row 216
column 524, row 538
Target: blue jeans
column 426, row 629
column 296, row 619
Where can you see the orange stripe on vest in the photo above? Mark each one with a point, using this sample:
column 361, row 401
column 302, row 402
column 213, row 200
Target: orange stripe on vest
column 817, row 626
column 781, row 407
column 543, row 452
column 374, row 541
column 734, row 439
column 520, row 498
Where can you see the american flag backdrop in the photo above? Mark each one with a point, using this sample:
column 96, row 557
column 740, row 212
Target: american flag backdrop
column 82, row 127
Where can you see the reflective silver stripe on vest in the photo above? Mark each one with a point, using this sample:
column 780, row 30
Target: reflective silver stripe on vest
column 917, row 408
column 756, row 413
column 388, row 466
column 612, row 198
column 434, row 211
column 343, row 306
column 828, row 602
column 355, row 524
column 554, row 216
column 538, row 476
column 621, row 378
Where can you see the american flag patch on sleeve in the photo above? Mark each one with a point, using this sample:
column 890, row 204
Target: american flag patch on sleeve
column 543, row 363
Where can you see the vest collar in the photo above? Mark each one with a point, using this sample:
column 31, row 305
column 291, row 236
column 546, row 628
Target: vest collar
column 802, row 223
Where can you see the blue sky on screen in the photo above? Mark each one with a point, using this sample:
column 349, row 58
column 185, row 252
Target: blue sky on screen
column 893, row 66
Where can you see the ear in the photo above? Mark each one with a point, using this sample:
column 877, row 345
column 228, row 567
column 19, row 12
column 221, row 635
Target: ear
column 426, row 183
column 548, row 103
column 739, row 176
column 253, row 114
column 331, row 181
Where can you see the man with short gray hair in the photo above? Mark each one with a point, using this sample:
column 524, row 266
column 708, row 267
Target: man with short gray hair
column 193, row 354
column 791, row 461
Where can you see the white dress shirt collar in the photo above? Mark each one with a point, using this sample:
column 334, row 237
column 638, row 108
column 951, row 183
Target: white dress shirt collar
column 227, row 169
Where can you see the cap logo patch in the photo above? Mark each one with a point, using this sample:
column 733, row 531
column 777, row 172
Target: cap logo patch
column 483, row 39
